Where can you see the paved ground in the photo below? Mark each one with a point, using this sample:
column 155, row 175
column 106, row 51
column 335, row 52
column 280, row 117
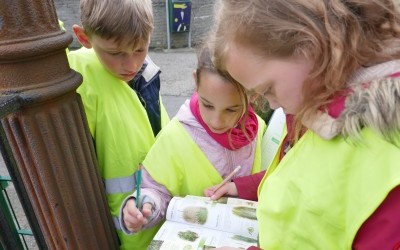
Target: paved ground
column 177, row 84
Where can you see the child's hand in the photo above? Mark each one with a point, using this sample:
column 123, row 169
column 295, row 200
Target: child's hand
column 228, row 189
column 134, row 219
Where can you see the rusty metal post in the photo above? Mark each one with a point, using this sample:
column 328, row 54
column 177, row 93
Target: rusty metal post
column 45, row 139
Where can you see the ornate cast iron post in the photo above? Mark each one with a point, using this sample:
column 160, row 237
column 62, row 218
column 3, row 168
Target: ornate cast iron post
column 45, row 139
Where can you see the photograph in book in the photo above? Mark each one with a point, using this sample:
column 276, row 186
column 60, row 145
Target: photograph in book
column 195, row 222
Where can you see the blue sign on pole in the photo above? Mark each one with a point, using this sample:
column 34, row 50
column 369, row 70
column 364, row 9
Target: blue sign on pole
column 181, row 16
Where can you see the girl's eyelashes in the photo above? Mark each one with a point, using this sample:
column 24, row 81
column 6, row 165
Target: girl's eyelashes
column 114, row 53
column 207, row 106
column 232, row 110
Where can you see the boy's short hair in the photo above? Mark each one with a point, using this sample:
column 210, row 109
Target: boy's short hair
column 127, row 22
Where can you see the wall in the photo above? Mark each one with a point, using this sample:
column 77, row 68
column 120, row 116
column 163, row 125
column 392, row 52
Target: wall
column 201, row 22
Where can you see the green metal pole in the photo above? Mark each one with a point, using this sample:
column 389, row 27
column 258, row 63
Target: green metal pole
column 9, row 237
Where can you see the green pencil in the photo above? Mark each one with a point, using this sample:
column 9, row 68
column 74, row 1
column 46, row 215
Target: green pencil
column 138, row 184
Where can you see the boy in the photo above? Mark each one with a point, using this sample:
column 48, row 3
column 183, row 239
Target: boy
column 120, row 93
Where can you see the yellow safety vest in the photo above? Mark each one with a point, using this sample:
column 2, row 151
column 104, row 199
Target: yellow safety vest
column 177, row 162
column 121, row 131
column 324, row 190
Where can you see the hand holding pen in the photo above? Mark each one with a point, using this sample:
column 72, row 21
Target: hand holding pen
column 226, row 187
column 135, row 214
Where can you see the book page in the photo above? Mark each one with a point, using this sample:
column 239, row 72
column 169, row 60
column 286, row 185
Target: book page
column 272, row 137
column 177, row 236
column 231, row 215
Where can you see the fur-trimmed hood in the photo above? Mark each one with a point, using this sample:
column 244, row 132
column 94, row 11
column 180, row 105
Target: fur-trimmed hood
column 374, row 102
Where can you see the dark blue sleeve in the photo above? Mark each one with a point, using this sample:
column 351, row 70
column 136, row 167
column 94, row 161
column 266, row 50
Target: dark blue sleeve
column 149, row 95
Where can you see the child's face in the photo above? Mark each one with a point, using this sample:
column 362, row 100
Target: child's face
column 124, row 62
column 219, row 101
column 280, row 81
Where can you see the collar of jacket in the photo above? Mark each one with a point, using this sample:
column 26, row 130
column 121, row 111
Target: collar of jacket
column 374, row 102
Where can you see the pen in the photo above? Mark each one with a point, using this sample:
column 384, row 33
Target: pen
column 228, row 178
column 138, row 184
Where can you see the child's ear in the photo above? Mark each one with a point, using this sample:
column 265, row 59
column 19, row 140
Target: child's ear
column 82, row 37
column 195, row 79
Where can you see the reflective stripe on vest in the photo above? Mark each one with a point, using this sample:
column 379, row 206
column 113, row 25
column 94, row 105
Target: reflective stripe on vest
column 120, row 185
column 116, row 223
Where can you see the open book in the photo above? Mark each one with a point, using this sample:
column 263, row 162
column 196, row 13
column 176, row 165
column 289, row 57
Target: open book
column 198, row 223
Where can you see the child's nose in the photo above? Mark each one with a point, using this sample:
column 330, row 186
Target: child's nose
column 217, row 121
column 130, row 63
